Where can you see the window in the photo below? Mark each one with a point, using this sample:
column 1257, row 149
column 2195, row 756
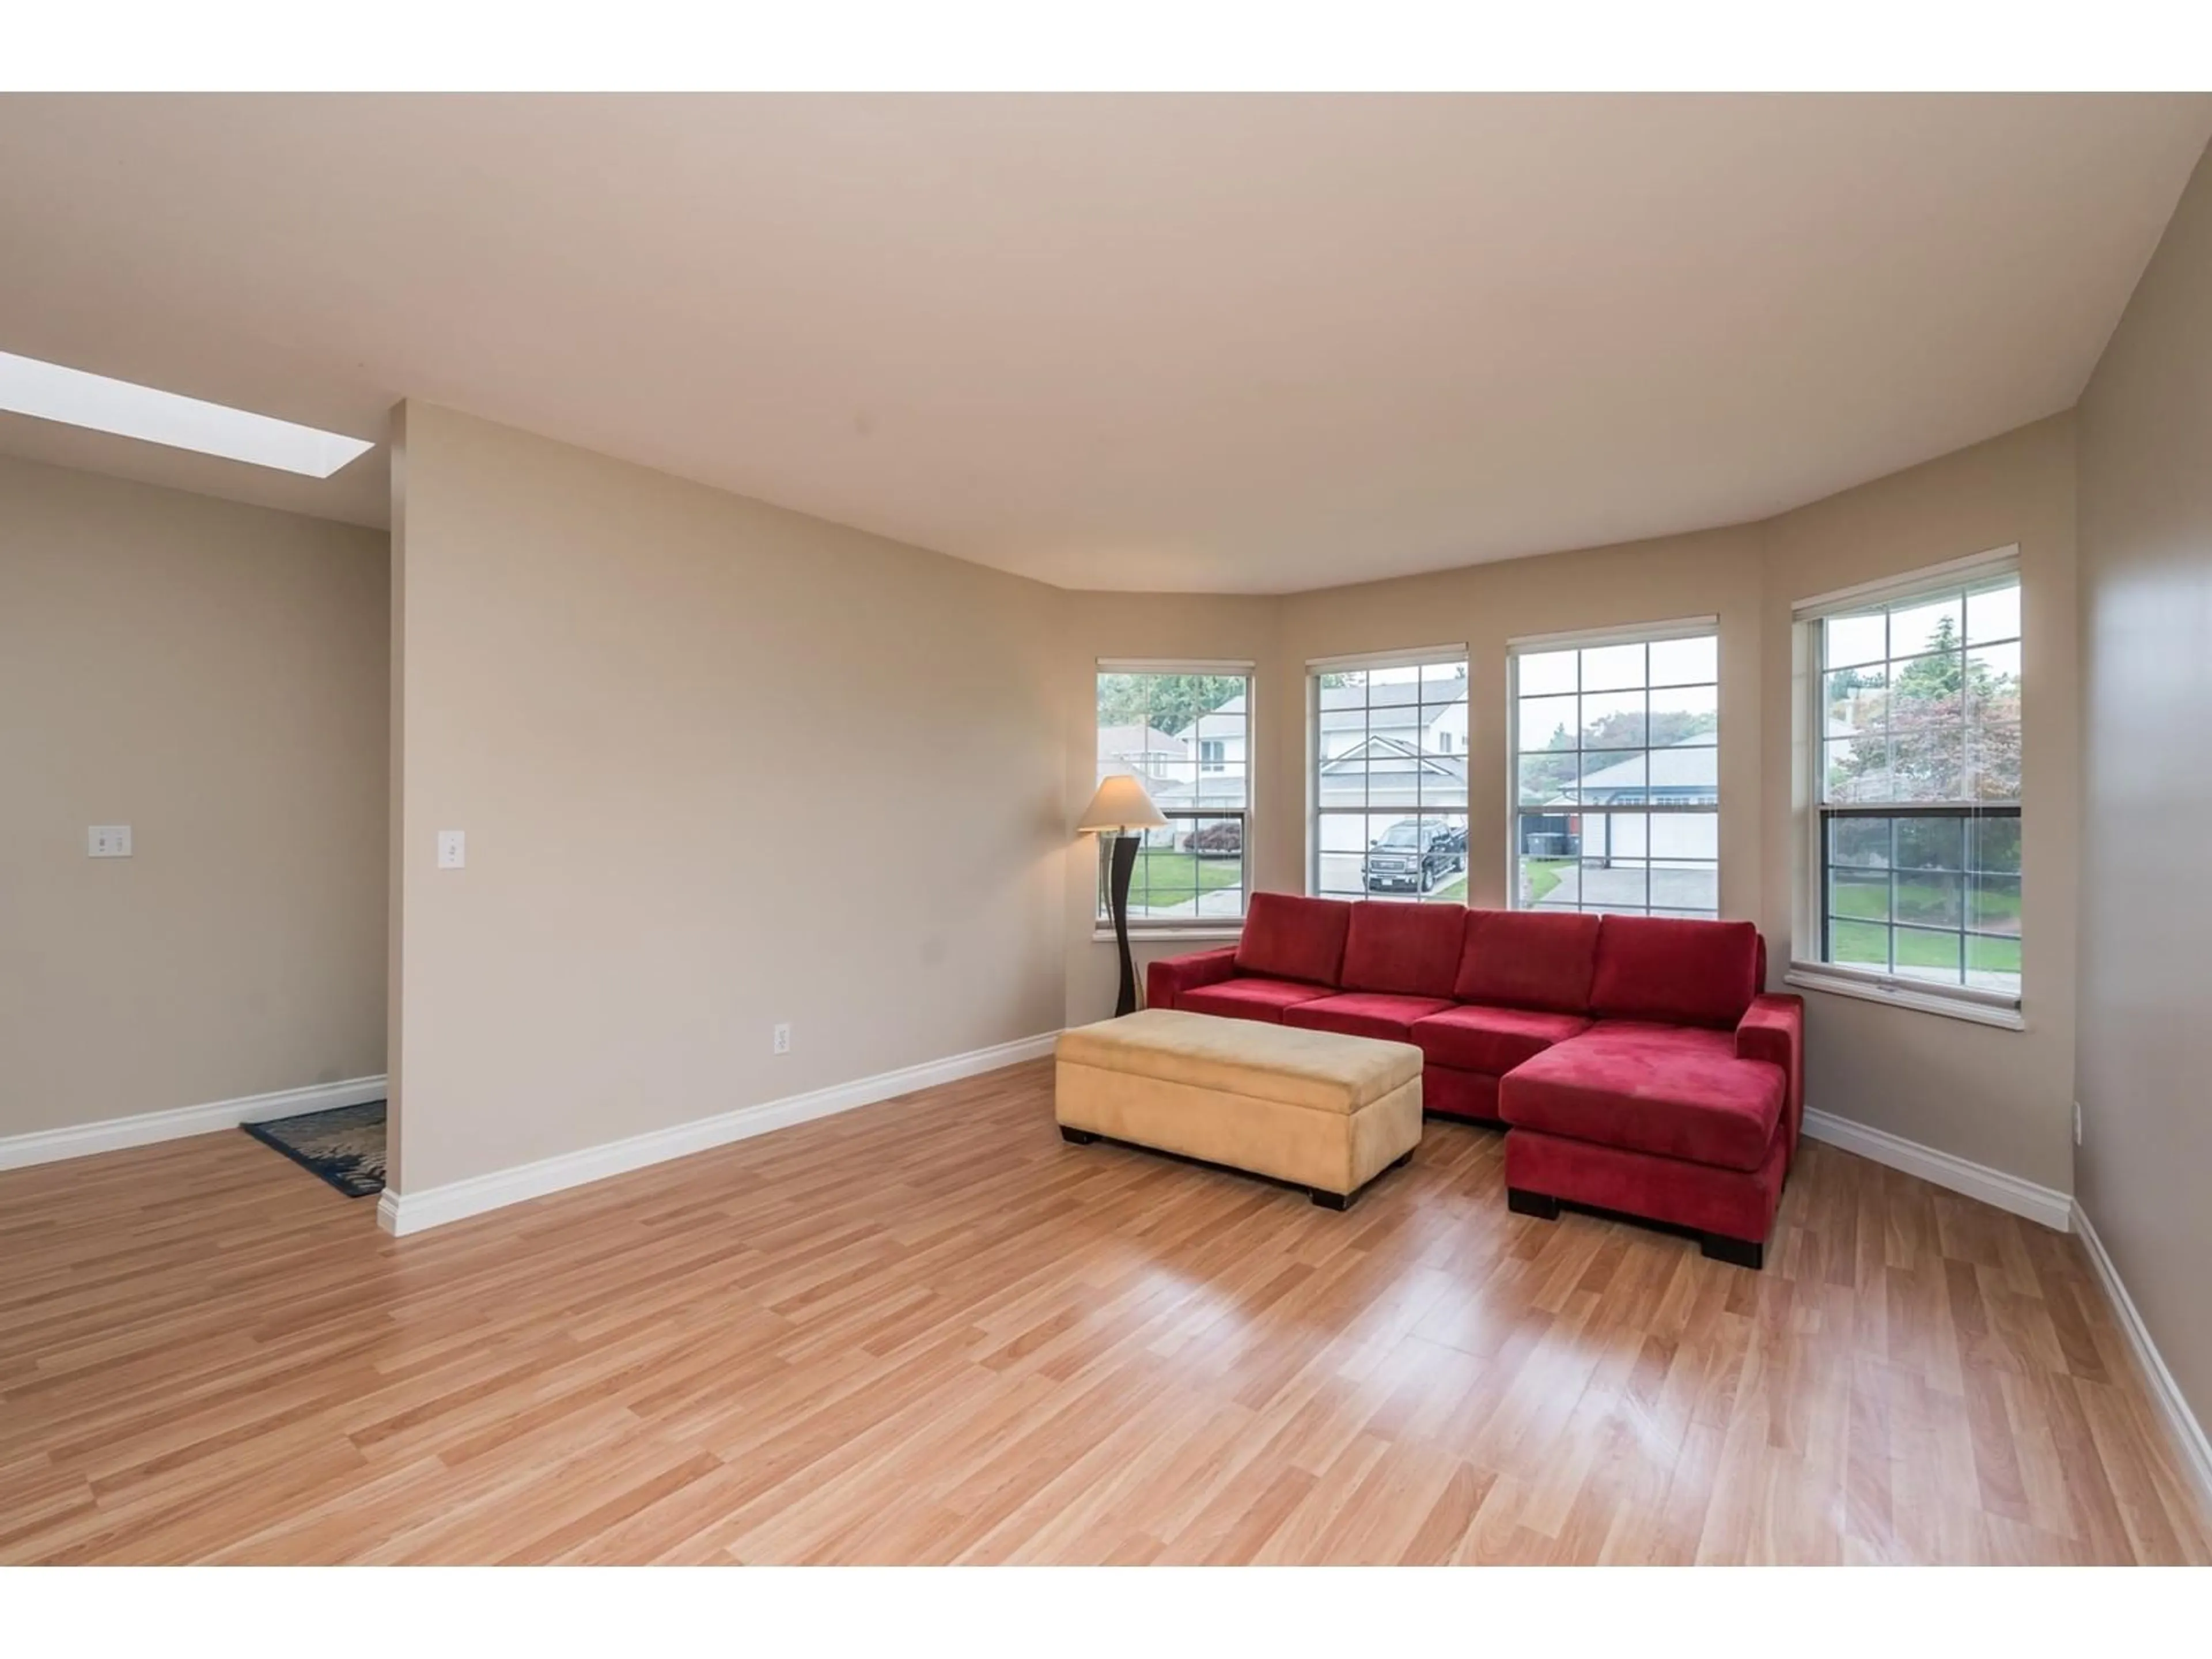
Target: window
column 1917, row 791
column 1616, row 769
column 74, row 398
column 1184, row 732
column 1387, row 749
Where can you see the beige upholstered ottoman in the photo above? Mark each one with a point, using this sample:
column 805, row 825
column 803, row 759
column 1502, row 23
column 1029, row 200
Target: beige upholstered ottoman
column 1325, row 1112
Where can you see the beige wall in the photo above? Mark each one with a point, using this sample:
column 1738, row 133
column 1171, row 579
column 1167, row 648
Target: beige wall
column 212, row 675
column 1995, row 1096
column 720, row 765
column 2145, row 1062
column 1998, row 1098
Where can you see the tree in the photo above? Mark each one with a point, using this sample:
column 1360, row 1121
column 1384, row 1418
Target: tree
column 1547, row 772
column 1166, row 703
column 1947, row 728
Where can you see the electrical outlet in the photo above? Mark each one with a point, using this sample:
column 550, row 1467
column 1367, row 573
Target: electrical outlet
column 107, row 841
column 782, row 1038
column 2077, row 1123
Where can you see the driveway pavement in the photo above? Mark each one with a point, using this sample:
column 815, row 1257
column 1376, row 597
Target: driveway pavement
column 1623, row 889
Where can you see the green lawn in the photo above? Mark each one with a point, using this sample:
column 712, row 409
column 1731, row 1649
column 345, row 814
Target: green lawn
column 1991, row 906
column 1859, row 936
column 1543, row 876
column 1164, row 877
column 1865, row 945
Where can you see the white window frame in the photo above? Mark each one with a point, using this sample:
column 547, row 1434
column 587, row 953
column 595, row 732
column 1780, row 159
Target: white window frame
column 1189, row 927
column 1432, row 656
column 1808, row 970
column 1656, row 633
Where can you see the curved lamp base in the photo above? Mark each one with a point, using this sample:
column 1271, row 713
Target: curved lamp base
column 1124, row 865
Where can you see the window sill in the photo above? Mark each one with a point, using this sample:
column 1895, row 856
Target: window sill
column 1216, row 932
column 1897, row 994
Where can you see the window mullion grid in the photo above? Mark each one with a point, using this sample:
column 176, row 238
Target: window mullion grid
column 1582, row 885
column 1968, row 873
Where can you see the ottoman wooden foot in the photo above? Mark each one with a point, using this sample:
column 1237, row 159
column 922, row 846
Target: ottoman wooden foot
column 1543, row 1206
column 1079, row 1137
column 1331, row 1200
column 1737, row 1252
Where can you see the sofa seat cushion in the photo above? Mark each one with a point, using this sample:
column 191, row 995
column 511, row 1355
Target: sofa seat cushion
column 1365, row 1013
column 1403, row 950
column 1493, row 1040
column 1289, row 937
column 1248, row 999
column 1676, row 1090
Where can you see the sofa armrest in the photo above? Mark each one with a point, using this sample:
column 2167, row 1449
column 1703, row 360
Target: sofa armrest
column 1166, row 980
column 1773, row 1030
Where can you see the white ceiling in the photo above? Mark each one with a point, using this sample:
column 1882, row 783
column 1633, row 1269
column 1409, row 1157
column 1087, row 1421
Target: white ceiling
column 1223, row 342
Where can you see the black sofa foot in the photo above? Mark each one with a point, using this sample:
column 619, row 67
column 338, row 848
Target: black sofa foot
column 1543, row 1206
column 1401, row 1161
column 1737, row 1252
column 1331, row 1200
column 1080, row 1137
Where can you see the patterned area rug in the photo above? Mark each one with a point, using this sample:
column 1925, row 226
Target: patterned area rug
column 344, row 1146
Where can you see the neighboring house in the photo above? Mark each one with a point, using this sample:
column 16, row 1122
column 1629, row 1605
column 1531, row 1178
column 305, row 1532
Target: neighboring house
column 1169, row 768
column 1383, row 748
column 1148, row 753
column 1354, row 717
column 1212, row 761
column 1218, row 740
column 1685, row 773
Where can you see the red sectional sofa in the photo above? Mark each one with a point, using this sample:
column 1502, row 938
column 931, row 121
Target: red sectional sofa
column 1635, row 1062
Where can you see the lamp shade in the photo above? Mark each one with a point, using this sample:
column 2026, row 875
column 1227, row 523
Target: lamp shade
column 1120, row 803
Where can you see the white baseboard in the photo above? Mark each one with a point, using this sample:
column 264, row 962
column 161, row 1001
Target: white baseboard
column 111, row 1134
column 2181, row 1422
column 399, row 1213
column 2051, row 1207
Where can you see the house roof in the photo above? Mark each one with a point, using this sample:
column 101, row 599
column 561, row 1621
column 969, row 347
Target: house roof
column 1115, row 741
column 1344, row 708
column 1348, row 708
column 1690, row 764
column 1377, row 751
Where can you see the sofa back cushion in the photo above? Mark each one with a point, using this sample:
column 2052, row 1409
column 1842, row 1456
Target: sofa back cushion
column 1542, row 959
column 1286, row 937
column 1405, row 950
column 1689, row 973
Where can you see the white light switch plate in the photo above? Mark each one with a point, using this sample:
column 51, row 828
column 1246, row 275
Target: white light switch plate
column 107, row 841
column 452, row 849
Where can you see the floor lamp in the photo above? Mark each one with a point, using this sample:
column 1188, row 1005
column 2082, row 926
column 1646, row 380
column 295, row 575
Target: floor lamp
column 1120, row 806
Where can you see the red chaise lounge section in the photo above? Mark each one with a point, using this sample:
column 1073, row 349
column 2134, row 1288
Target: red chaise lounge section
column 1635, row 1062
column 1681, row 1103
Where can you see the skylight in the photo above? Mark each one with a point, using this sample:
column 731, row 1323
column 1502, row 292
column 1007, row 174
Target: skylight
column 51, row 392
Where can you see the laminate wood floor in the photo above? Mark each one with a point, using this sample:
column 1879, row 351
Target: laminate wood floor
column 929, row 1331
